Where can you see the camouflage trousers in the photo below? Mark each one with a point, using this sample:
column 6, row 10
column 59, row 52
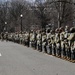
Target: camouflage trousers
column 44, row 49
column 73, row 54
column 39, row 47
column 58, row 49
column 49, row 49
column 26, row 43
column 54, row 49
column 33, row 44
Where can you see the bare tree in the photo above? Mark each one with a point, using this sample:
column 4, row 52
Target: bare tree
column 62, row 11
column 39, row 11
column 17, row 8
column 3, row 15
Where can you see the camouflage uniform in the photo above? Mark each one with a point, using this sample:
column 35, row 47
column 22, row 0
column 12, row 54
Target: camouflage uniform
column 72, row 43
column 6, row 36
column 2, row 36
column 57, row 41
column 52, row 43
column 39, row 41
column 16, row 38
column 66, row 35
column 44, row 42
column 62, row 43
column 48, row 41
column 20, row 38
column 30, row 43
column 27, row 39
column 13, row 37
column 23, row 38
column 33, row 39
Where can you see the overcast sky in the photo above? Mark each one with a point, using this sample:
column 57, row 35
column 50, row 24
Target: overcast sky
column 31, row 0
column 20, row 0
column 10, row 0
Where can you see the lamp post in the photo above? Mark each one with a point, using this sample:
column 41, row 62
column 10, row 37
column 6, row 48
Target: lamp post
column 21, row 21
column 6, row 26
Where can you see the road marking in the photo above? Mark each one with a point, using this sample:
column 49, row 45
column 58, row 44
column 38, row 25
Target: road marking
column 0, row 54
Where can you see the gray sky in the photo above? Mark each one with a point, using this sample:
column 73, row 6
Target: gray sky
column 26, row 0
column 10, row 0
column 31, row 0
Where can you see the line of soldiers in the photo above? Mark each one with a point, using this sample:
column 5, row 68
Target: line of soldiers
column 59, row 43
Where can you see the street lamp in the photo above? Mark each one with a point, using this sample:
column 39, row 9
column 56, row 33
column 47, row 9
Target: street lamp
column 21, row 21
column 6, row 26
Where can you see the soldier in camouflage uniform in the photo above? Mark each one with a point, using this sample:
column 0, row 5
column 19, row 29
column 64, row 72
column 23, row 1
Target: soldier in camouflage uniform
column 44, row 41
column 71, row 39
column 2, row 36
column 33, row 39
column 23, row 38
column 66, row 35
column 26, row 39
column 20, row 37
column 39, row 40
column 52, row 42
column 13, row 37
column 16, row 37
column 62, row 42
column 9, row 36
column 30, row 43
column 48, row 42
column 6, row 36
column 58, row 45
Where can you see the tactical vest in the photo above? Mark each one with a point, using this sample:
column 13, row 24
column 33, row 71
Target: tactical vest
column 52, row 38
column 44, row 39
column 57, row 38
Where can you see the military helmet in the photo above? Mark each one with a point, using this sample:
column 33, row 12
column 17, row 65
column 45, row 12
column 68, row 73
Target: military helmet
column 57, row 30
column 72, row 30
column 66, row 27
column 39, row 31
column 31, row 31
column 52, row 31
column 48, row 30
column 6, row 32
column 61, row 29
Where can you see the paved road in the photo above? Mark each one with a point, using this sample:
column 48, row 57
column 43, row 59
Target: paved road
column 17, row 59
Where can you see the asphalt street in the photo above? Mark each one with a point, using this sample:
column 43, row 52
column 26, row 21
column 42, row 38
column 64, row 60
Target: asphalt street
column 16, row 59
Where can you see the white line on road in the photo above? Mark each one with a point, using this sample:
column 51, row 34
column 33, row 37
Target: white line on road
column 0, row 54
